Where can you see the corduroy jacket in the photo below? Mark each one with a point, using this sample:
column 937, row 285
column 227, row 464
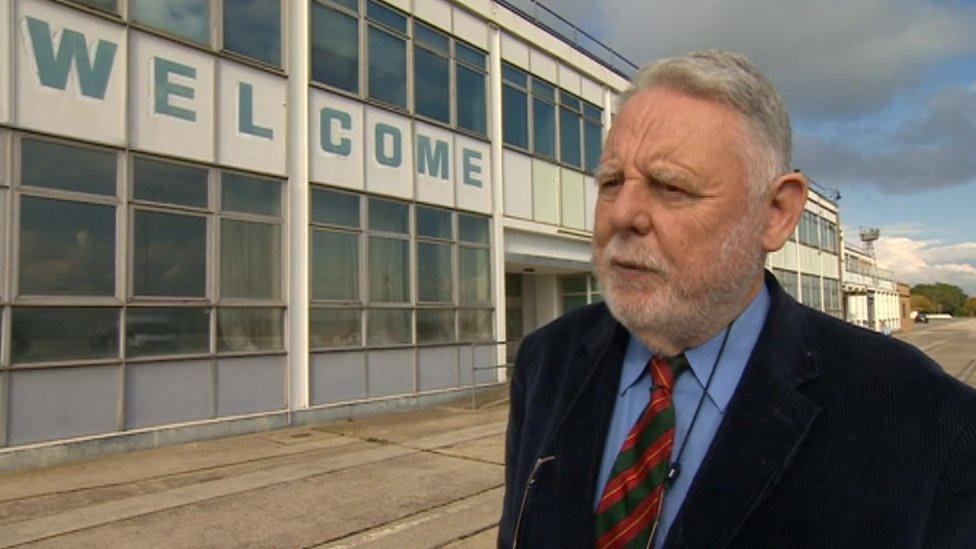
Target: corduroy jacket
column 836, row 436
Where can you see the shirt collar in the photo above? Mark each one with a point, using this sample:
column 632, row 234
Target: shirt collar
column 742, row 338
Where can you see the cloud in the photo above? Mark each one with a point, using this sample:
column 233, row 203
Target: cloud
column 830, row 58
column 932, row 150
column 929, row 261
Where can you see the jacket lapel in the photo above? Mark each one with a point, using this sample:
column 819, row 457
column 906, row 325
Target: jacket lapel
column 764, row 425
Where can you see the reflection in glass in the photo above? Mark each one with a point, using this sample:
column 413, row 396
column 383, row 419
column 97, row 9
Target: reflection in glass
column 335, row 265
column 472, row 229
column 57, row 166
column 66, row 248
column 249, row 329
column 153, row 331
column 387, row 67
column 544, row 127
column 168, row 183
column 334, row 208
column 247, row 194
column 430, row 37
column 335, row 48
column 435, row 325
column 253, row 28
column 593, row 137
column 335, row 328
column 389, row 279
column 389, row 326
column 474, row 276
column 569, row 138
column 169, row 255
column 41, row 334
column 515, row 117
column 471, row 113
column 434, row 272
column 392, row 217
column 387, row 16
column 432, row 85
column 189, row 19
column 470, row 55
column 433, row 222
column 475, row 325
column 250, row 259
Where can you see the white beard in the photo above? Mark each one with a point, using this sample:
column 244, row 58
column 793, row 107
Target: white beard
column 683, row 307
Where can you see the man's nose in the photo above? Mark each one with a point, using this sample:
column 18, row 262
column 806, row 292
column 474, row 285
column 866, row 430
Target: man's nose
column 632, row 208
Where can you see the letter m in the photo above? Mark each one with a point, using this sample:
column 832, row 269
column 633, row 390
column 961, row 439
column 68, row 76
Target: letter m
column 53, row 69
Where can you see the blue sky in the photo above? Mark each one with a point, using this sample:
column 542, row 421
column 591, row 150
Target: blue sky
column 882, row 95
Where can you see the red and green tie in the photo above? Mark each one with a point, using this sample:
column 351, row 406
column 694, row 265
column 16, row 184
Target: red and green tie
column 632, row 499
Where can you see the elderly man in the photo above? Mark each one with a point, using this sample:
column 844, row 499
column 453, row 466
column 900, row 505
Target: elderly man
column 701, row 406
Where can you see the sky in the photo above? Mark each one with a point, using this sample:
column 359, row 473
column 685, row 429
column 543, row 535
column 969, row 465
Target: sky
column 882, row 95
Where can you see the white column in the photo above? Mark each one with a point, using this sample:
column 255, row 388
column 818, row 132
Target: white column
column 297, row 264
column 498, row 191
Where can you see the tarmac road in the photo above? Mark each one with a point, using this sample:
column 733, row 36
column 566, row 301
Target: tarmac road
column 951, row 343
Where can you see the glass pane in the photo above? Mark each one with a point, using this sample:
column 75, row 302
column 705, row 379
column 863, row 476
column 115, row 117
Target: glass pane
column 571, row 302
column 472, row 229
column 515, row 117
column 392, row 217
column 110, row 5
column 432, row 85
column 569, row 100
column 471, row 110
column 389, row 326
column 569, row 138
column 166, row 331
column 335, row 265
column 544, row 127
column 543, row 89
column 513, row 324
column 429, row 36
column 157, row 181
column 335, row 328
column 513, row 285
column 349, row 4
column 66, row 248
column 389, row 275
column 476, row 325
column 573, row 284
column 249, row 329
column 435, row 325
column 334, row 208
column 387, row 67
column 169, row 255
column 253, row 28
column 514, row 75
column 335, row 48
column 593, row 135
column 472, row 56
column 246, row 194
column 433, row 222
column 434, row 272
column 41, row 334
column 57, row 166
column 592, row 112
column 250, row 259
column 474, row 276
column 383, row 14
column 189, row 19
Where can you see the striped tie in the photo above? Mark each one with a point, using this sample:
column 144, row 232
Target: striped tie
column 632, row 500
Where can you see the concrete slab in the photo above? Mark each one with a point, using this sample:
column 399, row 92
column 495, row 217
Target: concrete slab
column 409, row 426
column 490, row 448
column 482, row 540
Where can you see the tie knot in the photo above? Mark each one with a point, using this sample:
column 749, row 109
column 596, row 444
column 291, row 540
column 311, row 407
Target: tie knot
column 665, row 370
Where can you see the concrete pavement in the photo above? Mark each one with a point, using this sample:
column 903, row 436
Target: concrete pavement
column 951, row 343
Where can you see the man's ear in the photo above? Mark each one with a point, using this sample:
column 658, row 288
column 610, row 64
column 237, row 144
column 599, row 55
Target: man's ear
column 784, row 205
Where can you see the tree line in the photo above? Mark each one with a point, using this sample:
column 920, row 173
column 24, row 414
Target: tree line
column 942, row 298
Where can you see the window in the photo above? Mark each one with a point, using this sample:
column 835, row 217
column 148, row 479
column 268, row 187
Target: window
column 169, row 254
column 810, row 229
column 109, row 5
column 386, row 43
column 578, row 291
column 515, row 107
column 189, row 19
column 543, row 118
column 253, row 28
column 48, row 334
column 810, row 286
column 832, row 299
column 154, row 331
column 470, row 98
column 335, row 263
column 592, row 135
column 829, row 234
column 787, row 279
column 335, row 44
column 570, row 118
column 431, row 73
column 67, row 168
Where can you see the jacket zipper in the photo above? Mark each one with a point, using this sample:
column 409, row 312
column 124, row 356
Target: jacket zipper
column 525, row 496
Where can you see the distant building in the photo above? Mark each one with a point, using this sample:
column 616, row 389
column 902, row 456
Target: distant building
column 905, row 307
column 871, row 296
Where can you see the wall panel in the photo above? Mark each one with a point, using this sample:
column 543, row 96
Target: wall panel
column 250, row 384
column 336, row 377
column 167, row 392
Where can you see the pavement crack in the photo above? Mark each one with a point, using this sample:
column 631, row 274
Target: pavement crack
column 467, row 536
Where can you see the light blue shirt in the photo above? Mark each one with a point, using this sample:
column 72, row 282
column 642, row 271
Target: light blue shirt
column 635, row 392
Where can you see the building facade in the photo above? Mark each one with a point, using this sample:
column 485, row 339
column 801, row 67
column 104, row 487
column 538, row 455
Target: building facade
column 227, row 215
column 871, row 293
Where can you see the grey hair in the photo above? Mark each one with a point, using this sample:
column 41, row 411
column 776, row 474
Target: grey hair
column 734, row 80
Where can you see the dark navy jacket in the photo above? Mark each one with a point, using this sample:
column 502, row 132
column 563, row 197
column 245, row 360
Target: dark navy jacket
column 835, row 437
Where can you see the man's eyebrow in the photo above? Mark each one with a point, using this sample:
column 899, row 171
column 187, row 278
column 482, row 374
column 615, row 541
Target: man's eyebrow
column 606, row 171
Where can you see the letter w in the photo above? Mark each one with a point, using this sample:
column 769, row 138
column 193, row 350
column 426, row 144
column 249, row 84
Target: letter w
column 53, row 69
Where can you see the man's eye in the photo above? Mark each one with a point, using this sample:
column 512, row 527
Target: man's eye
column 671, row 188
column 609, row 183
